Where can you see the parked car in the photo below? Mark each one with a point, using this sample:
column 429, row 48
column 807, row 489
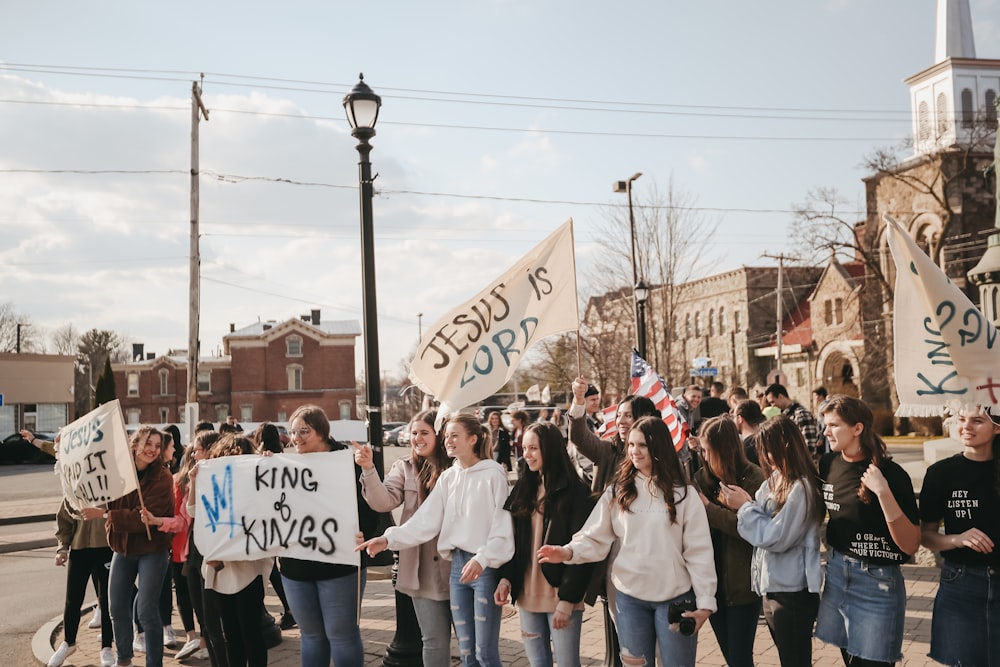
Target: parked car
column 403, row 440
column 392, row 437
column 387, row 430
column 16, row 449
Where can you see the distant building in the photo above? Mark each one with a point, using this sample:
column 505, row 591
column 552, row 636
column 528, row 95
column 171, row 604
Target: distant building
column 266, row 370
column 37, row 392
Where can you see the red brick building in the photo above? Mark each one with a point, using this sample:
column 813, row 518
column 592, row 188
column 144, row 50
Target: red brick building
column 266, row 370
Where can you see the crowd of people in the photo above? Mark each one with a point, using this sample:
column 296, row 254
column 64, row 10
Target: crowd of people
column 724, row 528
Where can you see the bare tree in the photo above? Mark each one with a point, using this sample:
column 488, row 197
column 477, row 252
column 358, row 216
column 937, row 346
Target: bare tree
column 65, row 339
column 17, row 333
column 672, row 240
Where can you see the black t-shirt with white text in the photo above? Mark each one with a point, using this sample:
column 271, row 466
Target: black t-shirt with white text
column 962, row 493
column 858, row 528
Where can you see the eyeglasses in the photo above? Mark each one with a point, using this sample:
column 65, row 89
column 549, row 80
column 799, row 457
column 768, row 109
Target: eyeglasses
column 301, row 432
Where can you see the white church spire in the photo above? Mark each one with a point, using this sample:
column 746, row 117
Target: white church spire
column 954, row 31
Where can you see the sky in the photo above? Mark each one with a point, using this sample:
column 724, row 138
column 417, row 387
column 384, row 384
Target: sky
column 500, row 120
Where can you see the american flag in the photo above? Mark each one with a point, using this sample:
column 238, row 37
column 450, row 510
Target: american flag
column 647, row 382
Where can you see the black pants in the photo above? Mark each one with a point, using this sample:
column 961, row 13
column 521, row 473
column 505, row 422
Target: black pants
column 241, row 614
column 790, row 618
column 205, row 609
column 84, row 564
column 279, row 588
column 184, row 608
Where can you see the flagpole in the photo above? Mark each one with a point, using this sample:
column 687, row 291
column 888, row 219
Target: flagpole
column 579, row 341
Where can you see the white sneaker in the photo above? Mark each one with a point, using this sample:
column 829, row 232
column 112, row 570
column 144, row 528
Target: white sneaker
column 108, row 657
column 95, row 620
column 169, row 636
column 59, row 657
column 139, row 643
column 188, row 649
column 201, row 654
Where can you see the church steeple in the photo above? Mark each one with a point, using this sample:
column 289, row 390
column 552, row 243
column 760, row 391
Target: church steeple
column 955, row 96
column 954, row 31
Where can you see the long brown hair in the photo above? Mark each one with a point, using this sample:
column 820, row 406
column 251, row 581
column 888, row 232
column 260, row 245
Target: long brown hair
column 667, row 472
column 854, row 411
column 557, row 471
column 483, row 448
column 429, row 468
column 781, row 447
column 728, row 456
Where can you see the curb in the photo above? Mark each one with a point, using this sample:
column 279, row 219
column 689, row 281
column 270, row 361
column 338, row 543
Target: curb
column 41, row 642
column 27, row 545
column 30, row 518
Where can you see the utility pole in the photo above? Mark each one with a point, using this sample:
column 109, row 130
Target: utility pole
column 191, row 409
column 780, row 310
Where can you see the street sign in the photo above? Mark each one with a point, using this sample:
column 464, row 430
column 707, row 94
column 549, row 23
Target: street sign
column 704, row 372
column 1, row 400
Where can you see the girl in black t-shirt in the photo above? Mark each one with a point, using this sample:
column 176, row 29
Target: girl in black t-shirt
column 964, row 492
column 872, row 530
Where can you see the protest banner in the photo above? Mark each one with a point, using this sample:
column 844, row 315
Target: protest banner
column 296, row 505
column 946, row 352
column 94, row 461
column 474, row 349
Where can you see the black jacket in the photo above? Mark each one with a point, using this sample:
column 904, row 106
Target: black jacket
column 565, row 513
column 501, row 448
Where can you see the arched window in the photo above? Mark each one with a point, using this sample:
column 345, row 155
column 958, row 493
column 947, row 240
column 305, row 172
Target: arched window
column 923, row 122
column 697, row 324
column 687, row 325
column 941, row 114
column 991, row 108
column 133, row 388
column 968, row 113
column 722, row 320
column 737, row 320
column 711, row 322
column 164, row 381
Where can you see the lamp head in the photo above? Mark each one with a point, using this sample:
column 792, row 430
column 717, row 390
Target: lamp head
column 362, row 105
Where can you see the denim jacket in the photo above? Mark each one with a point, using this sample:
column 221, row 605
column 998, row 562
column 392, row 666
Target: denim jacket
column 786, row 543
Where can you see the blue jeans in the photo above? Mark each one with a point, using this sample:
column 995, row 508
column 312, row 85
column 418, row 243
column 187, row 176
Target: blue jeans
column 965, row 629
column 537, row 631
column 643, row 625
column 434, row 617
column 476, row 616
column 862, row 608
column 150, row 570
column 736, row 628
column 327, row 614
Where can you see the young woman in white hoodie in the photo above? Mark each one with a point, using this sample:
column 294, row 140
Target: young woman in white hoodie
column 665, row 563
column 466, row 513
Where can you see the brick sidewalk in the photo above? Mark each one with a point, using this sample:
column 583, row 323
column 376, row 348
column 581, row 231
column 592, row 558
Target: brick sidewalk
column 378, row 625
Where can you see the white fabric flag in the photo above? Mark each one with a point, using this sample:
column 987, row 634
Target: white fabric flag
column 546, row 395
column 946, row 351
column 473, row 350
column 94, row 460
column 534, row 393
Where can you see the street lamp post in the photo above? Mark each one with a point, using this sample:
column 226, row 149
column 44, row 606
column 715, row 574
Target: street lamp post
column 641, row 294
column 362, row 106
column 640, row 314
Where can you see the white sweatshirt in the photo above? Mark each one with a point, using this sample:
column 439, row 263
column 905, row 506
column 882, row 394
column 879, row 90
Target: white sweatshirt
column 466, row 506
column 657, row 560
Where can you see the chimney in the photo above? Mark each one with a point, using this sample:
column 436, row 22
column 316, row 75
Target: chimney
column 137, row 353
column 305, row 318
column 315, row 316
column 150, row 356
column 267, row 327
column 232, row 327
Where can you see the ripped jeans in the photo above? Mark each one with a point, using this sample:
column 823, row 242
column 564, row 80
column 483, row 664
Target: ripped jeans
column 476, row 616
column 541, row 640
column 643, row 626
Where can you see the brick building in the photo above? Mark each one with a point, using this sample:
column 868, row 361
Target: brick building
column 266, row 370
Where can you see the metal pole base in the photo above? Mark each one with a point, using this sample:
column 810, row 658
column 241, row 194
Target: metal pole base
column 612, row 652
column 406, row 647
